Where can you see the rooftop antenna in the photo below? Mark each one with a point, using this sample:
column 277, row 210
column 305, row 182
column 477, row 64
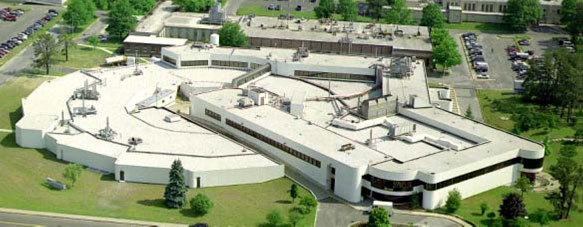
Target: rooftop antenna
column 83, row 110
column 62, row 118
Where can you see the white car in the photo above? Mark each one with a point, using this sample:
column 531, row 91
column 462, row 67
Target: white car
column 483, row 76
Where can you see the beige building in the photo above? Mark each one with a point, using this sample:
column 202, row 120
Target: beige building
column 493, row 10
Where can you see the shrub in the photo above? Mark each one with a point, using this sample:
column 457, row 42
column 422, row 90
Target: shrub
column 201, row 204
column 454, row 201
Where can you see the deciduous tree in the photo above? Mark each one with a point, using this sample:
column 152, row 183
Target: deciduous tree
column 274, row 218
column 522, row 13
column 432, row 16
column 73, row 173
column 454, row 201
column 379, row 217
column 77, row 14
column 294, row 217
column 399, row 13
column 46, row 49
column 201, row 204
column 347, row 9
column 325, row 9
column 376, row 8
column 194, row 5
column 483, row 208
column 523, row 184
column 175, row 192
column 121, row 19
column 93, row 40
column 293, row 192
column 231, row 34
column 66, row 41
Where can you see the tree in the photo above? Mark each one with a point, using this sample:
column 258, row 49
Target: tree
column 93, row 40
column 142, row 6
column 46, row 49
column 66, row 41
column 574, row 24
column 445, row 52
column 578, row 136
column 566, row 171
column 73, row 173
column 547, row 144
column 77, row 14
column 379, row 217
column 540, row 216
column 201, row 204
column 376, row 8
column 274, row 218
column 568, row 10
column 293, row 192
column 522, row 13
column 231, row 34
column 414, row 201
column 523, row 184
column 121, row 19
column 308, row 203
column 469, row 113
column 454, row 201
column 512, row 206
column 399, row 13
column 102, row 4
column 325, row 9
column 347, row 9
column 491, row 215
column 569, row 150
column 175, row 192
column 294, row 217
column 194, row 5
column 432, row 16
column 483, row 208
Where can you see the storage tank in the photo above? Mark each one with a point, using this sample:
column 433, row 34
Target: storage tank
column 215, row 39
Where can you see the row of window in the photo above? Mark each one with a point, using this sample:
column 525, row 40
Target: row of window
column 341, row 76
column 212, row 114
column 194, row 63
column 485, row 7
column 274, row 143
column 236, row 64
column 398, row 186
column 169, row 60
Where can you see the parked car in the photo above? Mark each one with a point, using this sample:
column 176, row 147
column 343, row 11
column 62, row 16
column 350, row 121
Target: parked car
column 523, row 42
column 483, row 76
column 299, row 8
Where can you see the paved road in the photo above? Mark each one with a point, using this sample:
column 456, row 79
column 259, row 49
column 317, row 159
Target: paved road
column 19, row 220
column 334, row 213
column 155, row 22
column 96, row 28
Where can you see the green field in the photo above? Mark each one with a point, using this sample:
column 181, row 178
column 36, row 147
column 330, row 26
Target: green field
column 83, row 58
column 23, row 171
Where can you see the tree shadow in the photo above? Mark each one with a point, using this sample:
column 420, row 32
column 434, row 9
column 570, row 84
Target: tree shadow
column 190, row 213
column 476, row 214
column 283, row 201
column 152, row 203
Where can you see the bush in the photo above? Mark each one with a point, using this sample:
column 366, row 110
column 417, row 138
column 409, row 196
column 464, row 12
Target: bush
column 379, row 217
column 274, row 218
column 201, row 204
column 307, row 203
column 483, row 208
column 454, row 201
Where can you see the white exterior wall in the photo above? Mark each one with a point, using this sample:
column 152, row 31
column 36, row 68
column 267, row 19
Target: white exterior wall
column 236, row 176
column 143, row 174
column 86, row 158
column 30, row 138
column 470, row 187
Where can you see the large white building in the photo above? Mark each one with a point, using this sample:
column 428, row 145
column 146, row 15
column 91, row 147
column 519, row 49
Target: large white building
column 358, row 129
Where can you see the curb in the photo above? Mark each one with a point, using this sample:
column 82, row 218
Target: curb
column 86, row 218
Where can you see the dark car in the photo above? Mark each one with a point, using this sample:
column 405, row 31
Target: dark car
column 299, row 8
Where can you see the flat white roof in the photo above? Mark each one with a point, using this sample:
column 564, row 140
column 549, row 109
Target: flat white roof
column 154, row 40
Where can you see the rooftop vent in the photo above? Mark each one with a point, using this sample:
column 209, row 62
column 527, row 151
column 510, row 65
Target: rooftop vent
column 347, row 147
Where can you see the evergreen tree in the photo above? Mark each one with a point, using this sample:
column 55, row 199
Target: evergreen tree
column 232, row 35
column 325, row 9
column 121, row 19
column 379, row 217
column 46, row 49
column 293, row 192
column 512, row 207
column 175, row 192
column 522, row 13
column 399, row 13
column 432, row 16
column 347, row 9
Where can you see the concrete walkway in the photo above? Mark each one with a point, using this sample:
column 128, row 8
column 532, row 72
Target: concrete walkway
column 69, row 219
column 99, row 48
column 6, row 130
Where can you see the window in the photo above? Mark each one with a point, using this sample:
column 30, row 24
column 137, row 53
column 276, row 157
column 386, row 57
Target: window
column 331, row 75
column 169, row 60
column 212, row 114
column 274, row 143
column 236, row 64
column 532, row 163
column 482, row 7
column 500, row 8
column 194, row 63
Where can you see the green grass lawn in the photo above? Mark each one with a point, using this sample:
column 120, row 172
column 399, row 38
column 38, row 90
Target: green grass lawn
column 23, row 171
column 83, row 58
column 12, row 91
column 482, row 27
column 501, row 118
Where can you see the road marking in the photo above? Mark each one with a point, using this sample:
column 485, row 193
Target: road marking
column 19, row 224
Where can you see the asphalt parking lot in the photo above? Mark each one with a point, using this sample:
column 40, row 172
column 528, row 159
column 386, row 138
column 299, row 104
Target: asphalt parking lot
column 12, row 28
column 307, row 5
